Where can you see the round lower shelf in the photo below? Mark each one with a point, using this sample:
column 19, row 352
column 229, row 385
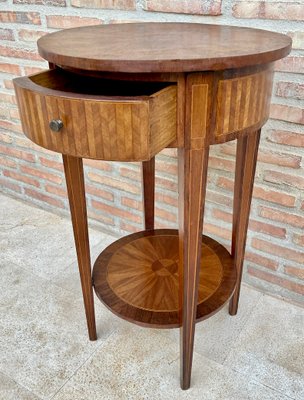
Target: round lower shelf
column 137, row 277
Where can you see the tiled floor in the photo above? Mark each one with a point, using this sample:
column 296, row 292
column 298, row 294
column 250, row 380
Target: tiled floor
column 45, row 352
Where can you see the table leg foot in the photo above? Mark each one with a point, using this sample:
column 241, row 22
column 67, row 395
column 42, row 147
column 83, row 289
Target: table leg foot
column 192, row 189
column 73, row 169
column 246, row 156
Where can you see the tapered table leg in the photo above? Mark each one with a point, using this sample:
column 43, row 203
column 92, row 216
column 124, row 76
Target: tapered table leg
column 73, row 169
column 246, row 157
column 192, row 189
column 148, row 183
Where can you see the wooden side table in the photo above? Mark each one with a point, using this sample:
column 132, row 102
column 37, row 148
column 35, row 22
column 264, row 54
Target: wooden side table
column 125, row 92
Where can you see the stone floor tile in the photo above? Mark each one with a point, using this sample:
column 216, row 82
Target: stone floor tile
column 271, row 347
column 68, row 278
column 39, row 241
column 43, row 335
column 137, row 363
column 10, row 390
column 215, row 336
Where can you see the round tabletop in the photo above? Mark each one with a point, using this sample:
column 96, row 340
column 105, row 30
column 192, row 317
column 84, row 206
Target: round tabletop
column 162, row 47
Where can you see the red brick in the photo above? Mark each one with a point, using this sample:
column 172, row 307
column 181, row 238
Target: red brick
column 128, row 227
column 268, row 229
column 279, row 251
column 218, row 198
column 59, row 191
column 130, row 173
column 298, row 239
column 294, row 271
column 10, row 151
column 273, row 196
column 125, row 21
column 20, row 17
column 41, row 174
column 44, row 198
column 61, row 22
column 225, row 183
column 106, row 4
column 114, row 183
column 6, row 138
column 261, row 260
column 287, row 113
column 7, row 98
column 166, row 167
column 165, row 215
column 114, row 211
column 297, row 39
column 290, row 90
column 269, row 10
column 6, row 34
column 290, row 64
column 98, row 164
column 283, row 160
column 284, row 179
column 101, row 218
column 287, row 138
column 28, row 35
column 269, row 157
column 57, row 3
column 33, row 70
column 277, row 280
column 10, row 68
column 221, row 164
column 8, row 84
column 51, row 164
column 11, row 126
column 22, row 178
column 261, row 193
column 211, row 7
column 130, row 203
column 6, row 162
column 210, row 229
column 163, row 198
column 9, row 185
column 166, row 184
column 14, row 113
column 222, row 215
column 228, row 148
column 99, row 193
column 16, row 52
column 281, row 216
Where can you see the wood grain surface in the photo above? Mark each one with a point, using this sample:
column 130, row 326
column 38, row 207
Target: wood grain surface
column 162, row 47
column 120, row 120
column 73, row 169
column 137, row 277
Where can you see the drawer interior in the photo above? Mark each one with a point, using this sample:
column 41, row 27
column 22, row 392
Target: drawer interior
column 58, row 79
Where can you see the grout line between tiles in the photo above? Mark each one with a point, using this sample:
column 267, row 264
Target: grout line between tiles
column 20, row 384
column 263, row 384
column 84, row 362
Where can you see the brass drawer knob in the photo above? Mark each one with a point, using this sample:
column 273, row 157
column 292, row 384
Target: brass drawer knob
column 56, row 125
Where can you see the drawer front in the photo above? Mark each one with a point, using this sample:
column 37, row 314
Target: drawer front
column 107, row 128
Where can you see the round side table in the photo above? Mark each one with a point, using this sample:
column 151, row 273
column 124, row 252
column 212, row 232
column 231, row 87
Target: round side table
column 125, row 92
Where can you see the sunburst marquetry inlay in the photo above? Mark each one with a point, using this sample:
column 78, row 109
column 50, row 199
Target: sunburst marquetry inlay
column 145, row 273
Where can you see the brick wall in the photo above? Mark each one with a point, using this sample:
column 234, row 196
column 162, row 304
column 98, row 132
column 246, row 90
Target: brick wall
column 275, row 246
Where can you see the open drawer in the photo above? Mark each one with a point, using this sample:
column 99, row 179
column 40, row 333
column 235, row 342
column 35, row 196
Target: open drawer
column 96, row 118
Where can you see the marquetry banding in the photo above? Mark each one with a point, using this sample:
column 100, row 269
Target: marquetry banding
column 107, row 127
column 137, row 277
column 243, row 102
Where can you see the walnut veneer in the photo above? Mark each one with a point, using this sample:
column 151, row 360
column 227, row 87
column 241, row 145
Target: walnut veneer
column 125, row 92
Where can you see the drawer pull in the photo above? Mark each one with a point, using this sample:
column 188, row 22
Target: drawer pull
column 56, row 125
